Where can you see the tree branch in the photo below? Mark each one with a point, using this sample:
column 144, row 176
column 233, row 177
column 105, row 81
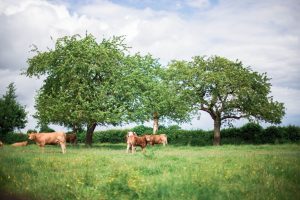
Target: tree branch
column 209, row 111
column 233, row 117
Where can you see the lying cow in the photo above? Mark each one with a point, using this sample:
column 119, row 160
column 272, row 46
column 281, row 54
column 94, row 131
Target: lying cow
column 133, row 141
column 42, row 139
column 157, row 139
column 20, row 144
column 71, row 138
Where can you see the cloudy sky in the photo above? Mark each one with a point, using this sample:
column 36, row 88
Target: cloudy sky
column 262, row 34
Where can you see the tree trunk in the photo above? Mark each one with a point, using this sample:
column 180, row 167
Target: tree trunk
column 89, row 134
column 155, row 122
column 217, row 132
column 75, row 129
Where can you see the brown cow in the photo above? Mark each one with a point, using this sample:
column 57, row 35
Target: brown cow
column 71, row 138
column 157, row 139
column 133, row 141
column 42, row 139
column 130, row 133
column 1, row 144
column 20, row 144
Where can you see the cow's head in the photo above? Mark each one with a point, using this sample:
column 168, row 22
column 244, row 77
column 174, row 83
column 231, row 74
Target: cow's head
column 31, row 136
column 130, row 133
column 148, row 138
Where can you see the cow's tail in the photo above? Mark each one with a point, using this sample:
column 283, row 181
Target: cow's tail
column 62, row 141
column 165, row 142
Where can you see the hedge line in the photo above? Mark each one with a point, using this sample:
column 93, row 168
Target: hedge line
column 250, row 133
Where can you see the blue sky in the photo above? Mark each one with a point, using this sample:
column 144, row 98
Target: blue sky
column 167, row 5
column 184, row 7
column 262, row 34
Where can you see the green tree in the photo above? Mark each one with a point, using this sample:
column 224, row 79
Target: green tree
column 44, row 128
column 12, row 114
column 87, row 83
column 226, row 90
column 155, row 99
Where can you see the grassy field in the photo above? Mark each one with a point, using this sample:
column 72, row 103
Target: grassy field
column 174, row 172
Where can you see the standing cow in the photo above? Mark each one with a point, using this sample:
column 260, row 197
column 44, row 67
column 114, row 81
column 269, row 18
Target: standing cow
column 1, row 144
column 130, row 133
column 71, row 138
column 157, row 139
column 133, row 141
column 42, row 139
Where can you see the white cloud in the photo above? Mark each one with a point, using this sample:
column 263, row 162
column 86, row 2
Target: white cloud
column 291, row 98
column 262, row 34
column 198, row 3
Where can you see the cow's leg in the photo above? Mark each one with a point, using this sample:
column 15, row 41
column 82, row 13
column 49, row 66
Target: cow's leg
column 132, row 149
column 128, row 147
column 42, row 147
column 63, row 147
column 143, row 149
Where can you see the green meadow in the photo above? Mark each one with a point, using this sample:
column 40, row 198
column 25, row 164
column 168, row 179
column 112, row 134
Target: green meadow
column 106, row 171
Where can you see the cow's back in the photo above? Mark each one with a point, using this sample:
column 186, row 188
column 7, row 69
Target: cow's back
column 20, row 144
column 51, row 138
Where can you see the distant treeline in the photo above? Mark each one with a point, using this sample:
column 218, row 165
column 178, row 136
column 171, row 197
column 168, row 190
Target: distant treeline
column 250, row 133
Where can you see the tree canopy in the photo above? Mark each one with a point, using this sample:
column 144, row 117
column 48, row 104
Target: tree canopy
column 226, row 90
column 155, row 99
column 86, row 82
column 90, row 83
column 12, row 113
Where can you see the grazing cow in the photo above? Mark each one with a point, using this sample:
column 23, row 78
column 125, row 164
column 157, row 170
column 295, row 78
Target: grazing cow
column 42, row 139
column 20, row 144
column 71, row 138
column 133, row 141
column 1, row 144
column 157, row 139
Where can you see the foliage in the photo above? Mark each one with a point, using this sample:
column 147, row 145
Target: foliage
column 12, row 114
column 174, row 127
column 11, row 137
column 142, row 129
column 250, row 133
column 82, row 84
column 31, row 131
column 155, row 98
column 45, row 128
column 88, row 83
column 226, row 90
column 107, row 172
column 110, row 136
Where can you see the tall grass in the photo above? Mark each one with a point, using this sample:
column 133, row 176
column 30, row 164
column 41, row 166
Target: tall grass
column 107, row 172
